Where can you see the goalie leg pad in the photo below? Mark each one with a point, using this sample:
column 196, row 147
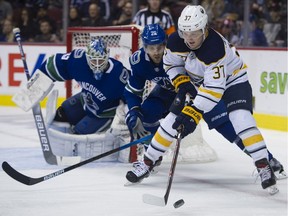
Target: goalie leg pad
column 85, row 146
column 38, row 88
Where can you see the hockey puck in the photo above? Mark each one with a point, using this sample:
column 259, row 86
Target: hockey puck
column 178, row 203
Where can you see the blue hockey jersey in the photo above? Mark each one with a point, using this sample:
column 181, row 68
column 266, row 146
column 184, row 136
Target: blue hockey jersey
column 142, row 69
column 100, row 97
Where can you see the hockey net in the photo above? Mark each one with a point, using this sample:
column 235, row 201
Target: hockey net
column 122, row 42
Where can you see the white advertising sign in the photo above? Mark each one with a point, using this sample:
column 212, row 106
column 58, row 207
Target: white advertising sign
column 267, row 73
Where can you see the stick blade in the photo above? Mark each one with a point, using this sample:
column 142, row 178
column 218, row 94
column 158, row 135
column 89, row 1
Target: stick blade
column 18, row 176
column 153, row 200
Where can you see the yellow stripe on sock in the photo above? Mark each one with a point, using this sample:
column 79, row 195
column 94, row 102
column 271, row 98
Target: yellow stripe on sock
column 161, row 140
column 252, row 140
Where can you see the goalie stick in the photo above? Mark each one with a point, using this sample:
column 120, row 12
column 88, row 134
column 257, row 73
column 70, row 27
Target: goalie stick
column 39, row 121
column 31, row 181
column 162, row 201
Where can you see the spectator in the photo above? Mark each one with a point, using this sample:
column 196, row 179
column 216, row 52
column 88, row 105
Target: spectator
column 214, row 8
column 257, row 36
column 74, row 17
column 105, row 9
column 231, row 29
column 7, row 31
column 6, row 11
column 176, row 7
column 83, row 6
column 125, row 16
column 26, row 25
column 46, row 34
column 94, row 18
column 154, row 14
column 42, row 14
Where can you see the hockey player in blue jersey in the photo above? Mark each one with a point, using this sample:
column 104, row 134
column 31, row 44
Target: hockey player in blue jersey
column 102, row 80
column 140, row 115
column 147, row 65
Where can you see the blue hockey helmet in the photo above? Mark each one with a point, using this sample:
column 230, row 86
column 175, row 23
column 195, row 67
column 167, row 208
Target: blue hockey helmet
column 97, row 55
column 153, row 34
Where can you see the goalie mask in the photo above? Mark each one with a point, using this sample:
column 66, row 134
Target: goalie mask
column 97, row 57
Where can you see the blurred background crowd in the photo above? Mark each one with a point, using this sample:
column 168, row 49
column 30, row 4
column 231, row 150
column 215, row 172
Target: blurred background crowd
column 263, row 21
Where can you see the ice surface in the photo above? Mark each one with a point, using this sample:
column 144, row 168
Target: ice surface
column 225, row 187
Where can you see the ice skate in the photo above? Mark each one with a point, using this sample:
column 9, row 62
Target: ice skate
column 141, row 170
column 278, row 169
column 268, row 179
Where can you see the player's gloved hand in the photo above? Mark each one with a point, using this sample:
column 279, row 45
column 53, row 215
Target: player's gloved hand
column 187, row 120
column 183, row 86
column 134, row 122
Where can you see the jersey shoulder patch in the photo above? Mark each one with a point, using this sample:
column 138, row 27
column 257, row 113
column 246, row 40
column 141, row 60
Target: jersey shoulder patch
column 136, row 57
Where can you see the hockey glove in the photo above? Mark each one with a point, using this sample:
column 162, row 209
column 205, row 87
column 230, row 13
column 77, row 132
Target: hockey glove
column 183, row 86
column 38, row 87
column 134, row 122
column 188, row 119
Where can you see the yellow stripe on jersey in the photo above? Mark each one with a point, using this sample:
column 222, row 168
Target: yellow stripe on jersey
column 161, row 140
column 212, row 93
column 252, row 140
column 237, row 71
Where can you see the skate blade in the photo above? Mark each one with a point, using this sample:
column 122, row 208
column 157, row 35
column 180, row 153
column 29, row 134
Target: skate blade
column 281, row 175
column 272, row 190
column 128, row 184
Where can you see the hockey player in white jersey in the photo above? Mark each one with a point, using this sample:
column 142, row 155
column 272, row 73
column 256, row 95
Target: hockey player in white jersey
column 147, row 64
column 201, row 55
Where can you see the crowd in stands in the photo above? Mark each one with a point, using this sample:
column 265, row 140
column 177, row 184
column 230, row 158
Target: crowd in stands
column 41, row 20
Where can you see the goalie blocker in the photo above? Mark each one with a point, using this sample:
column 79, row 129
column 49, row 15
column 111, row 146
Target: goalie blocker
column 38, row 87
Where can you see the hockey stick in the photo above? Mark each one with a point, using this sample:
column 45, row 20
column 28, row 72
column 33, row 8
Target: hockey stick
column 162, row 201
column 39, row 121
column 31, row 181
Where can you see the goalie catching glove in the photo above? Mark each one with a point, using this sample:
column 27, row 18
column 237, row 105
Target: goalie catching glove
column 187, row 120
column 38, row 87
column 134, row 123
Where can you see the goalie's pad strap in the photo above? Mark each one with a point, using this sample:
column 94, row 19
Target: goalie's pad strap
column 37, row 89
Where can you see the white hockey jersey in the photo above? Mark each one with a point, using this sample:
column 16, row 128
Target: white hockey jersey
column 213, row 67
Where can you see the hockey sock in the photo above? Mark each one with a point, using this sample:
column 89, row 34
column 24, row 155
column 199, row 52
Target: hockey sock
column 240, row 144
column 227, row 130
